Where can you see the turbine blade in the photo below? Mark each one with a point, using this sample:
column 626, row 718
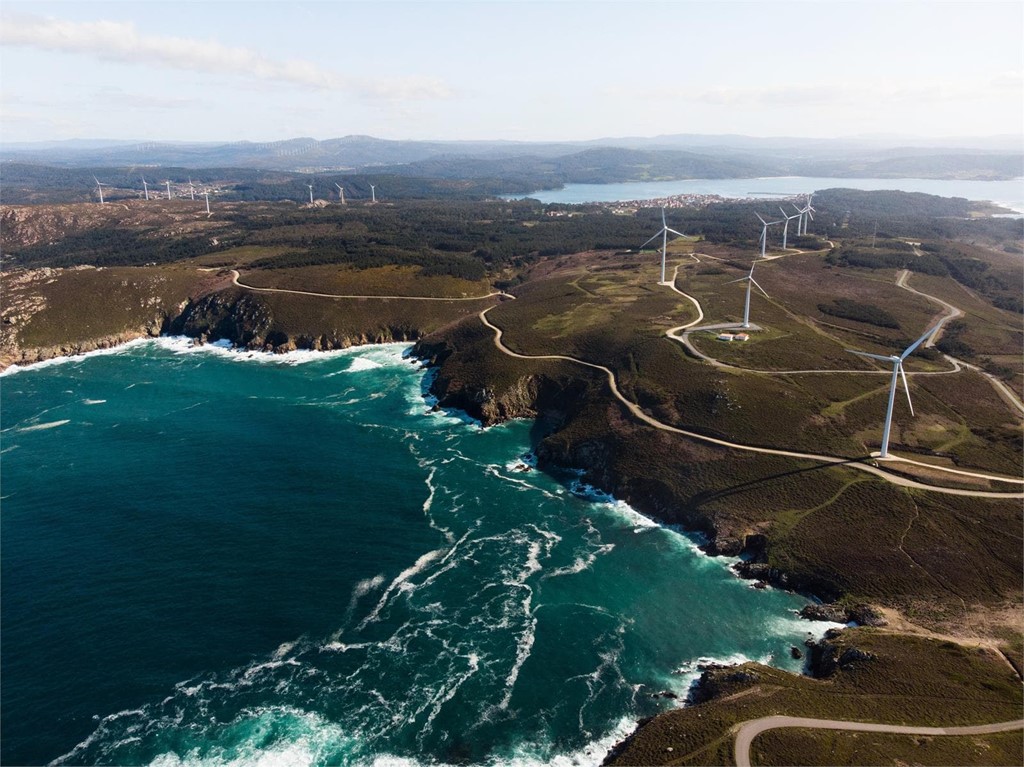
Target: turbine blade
column 872, row 356
column 758, row 287
column 653, row 238
column 918, row 342
column 664, row 224
column 906, row 387
column 741, row 279
column 680, row 234
column 761, row 219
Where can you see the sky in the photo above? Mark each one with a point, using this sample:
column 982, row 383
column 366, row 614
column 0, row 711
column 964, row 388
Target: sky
column 221, row 70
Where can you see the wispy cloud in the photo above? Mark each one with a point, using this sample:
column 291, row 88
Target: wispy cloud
column 123, row 42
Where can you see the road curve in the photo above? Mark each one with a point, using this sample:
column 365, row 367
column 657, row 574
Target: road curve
column 640, row 415
column 751, row 729
column 235, row 279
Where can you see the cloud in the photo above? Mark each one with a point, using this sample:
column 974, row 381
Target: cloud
column 122, row 42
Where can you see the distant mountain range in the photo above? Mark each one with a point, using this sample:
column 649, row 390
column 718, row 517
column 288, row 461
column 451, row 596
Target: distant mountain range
column 64, row 171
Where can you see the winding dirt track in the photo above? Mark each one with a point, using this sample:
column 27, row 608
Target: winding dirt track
column 236, row 280
column 640, row 415
column 751, row 729
column 651, row 421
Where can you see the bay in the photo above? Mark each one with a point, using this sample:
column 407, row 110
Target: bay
column 219, row 557
column 1009, row 193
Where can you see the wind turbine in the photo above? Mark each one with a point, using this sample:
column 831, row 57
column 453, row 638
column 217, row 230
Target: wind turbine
column 100, row 187
column 310, row 193
column 341, row 191
column 805, row 212
column 764, row 232
column 168, row 189
column 145, row 188
column 206, row 194
column 191, row 189
column 664, row 232
column 785, row 229
column 897, row 368
column 373, row 193
column 749, row 279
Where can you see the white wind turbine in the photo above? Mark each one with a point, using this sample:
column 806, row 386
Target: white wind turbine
column 310, row 193
column 168, row 189
column 191, row 189
column 805, row 212
column 373, row 193
column 749, row 279
column 664, row 232
column 785, row 228
column 764, row 232
column 341, row 192
column 897, row 369
column 145, row 187
column 206, row 194
column 100, row 186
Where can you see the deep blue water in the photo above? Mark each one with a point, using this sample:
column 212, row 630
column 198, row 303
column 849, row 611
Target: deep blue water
column 218, row 557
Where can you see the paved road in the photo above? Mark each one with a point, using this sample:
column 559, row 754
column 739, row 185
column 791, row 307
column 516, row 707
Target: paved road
column 750, row 730
column 953, row 313
column 641, row 415
column 651, row 421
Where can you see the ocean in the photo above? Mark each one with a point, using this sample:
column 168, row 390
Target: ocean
column 218, row 557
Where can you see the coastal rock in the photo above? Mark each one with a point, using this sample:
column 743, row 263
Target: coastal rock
column 831, row 654
column 721, row 681
column 862, row 614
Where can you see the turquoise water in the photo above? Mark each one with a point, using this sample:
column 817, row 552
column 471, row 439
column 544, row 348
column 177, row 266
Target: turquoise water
column 1007, row 193
column 216, row 557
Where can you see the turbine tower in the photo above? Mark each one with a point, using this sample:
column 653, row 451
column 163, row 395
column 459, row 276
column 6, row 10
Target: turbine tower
column 191, row 189
column 785, row 229
column 764, row 232
column 664, row 232
column 373, row 193
column 168, row 189
column 341, row 192
column 805, row 212
column 145, row 188
column 897, row 369
column 207, row 196
column 749, row 279
column 100, row 187
column 310, row 193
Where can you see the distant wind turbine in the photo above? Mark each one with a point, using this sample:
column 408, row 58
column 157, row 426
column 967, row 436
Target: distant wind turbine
column 664, row 232
column 341, row 192
column 191, row 189
column 206, row 194
column 100, row 186
column 168, row 189
column 785, row 229
column 310, row 193
column 749, row 279
column 764, row 232
column 373, row 193
column 897, row 369
column 805, row 212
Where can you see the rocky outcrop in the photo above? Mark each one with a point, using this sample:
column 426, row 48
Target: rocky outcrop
column 833, row 654
column 861, row 614
column 13, row 355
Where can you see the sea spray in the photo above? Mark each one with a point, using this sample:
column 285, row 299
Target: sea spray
column 280, row 558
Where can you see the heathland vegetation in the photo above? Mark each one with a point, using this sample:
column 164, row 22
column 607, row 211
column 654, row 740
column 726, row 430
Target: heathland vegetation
column 888, row 266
